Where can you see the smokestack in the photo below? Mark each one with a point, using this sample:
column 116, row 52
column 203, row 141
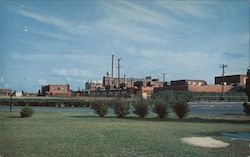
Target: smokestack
column 112, row 68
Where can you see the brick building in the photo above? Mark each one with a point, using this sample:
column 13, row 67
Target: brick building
column 112, row 82
column 148, row 82
column 5, row 92
column 188, row 82
column 56, row 90
column 232, row 79
column 129, row 87
column 197, row 86
column 212, row 89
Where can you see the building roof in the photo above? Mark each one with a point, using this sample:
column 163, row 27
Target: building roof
column 56, row 85
column 244, row 75
column 188, row 80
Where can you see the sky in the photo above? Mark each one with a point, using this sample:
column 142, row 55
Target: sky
column 61, row 41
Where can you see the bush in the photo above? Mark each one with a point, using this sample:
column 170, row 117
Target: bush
column 26, row 112
column 161, row 109
column 180, row 109
column 100, row 108
column 141, row 108
column 246, row 108
column 121, row 108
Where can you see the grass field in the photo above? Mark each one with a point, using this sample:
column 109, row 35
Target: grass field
column 78, row 134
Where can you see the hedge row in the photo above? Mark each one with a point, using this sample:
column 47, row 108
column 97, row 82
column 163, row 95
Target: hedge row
column 140, row 107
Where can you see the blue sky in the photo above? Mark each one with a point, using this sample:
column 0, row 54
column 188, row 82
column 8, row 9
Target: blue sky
column 59, row 41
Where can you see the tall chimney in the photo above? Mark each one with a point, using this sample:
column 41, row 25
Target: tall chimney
column 112, row 68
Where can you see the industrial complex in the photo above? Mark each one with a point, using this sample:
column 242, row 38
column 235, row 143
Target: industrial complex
column 111, row 86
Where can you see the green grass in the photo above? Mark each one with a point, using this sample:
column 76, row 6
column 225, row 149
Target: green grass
column 78, row 134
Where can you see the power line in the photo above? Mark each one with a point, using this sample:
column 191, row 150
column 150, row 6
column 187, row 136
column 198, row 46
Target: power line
column 112, row 69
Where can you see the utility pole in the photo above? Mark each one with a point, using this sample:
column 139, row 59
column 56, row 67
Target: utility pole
column 112, row 67
column 119, row 67
column 124, row 80
column 11, row 99
column 223, row 66
column 11, row 95
column 131, row 82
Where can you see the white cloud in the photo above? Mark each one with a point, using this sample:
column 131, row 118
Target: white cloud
column 133, row 12
column 1, row 80
column 129, row 31
column 21, row 6
column 73, row 76
column 127, row 20
column 114, row 24
column 54, row 35
column 200, row 9
column 42, row 81
column 245, row 38
column 90, row 58
column 183, row 65
column 134, row 22
column 73, row 72
column 69, row 26
column 131, row 50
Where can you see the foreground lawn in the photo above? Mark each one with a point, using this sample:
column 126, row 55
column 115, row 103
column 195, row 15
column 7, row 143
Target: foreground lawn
column 84, row 134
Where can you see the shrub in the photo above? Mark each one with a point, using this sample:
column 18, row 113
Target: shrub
column 121, row 108
column 26, row 112
column 141, row 108
column 246, row 108
column 180, row 109
column 161, row 109
column 100, row 108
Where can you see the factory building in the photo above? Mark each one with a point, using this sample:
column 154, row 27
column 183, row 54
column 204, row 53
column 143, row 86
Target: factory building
column 232, row 80
column 56, row 90
column 188, row 82
column 197, row 86
column 5, row 92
